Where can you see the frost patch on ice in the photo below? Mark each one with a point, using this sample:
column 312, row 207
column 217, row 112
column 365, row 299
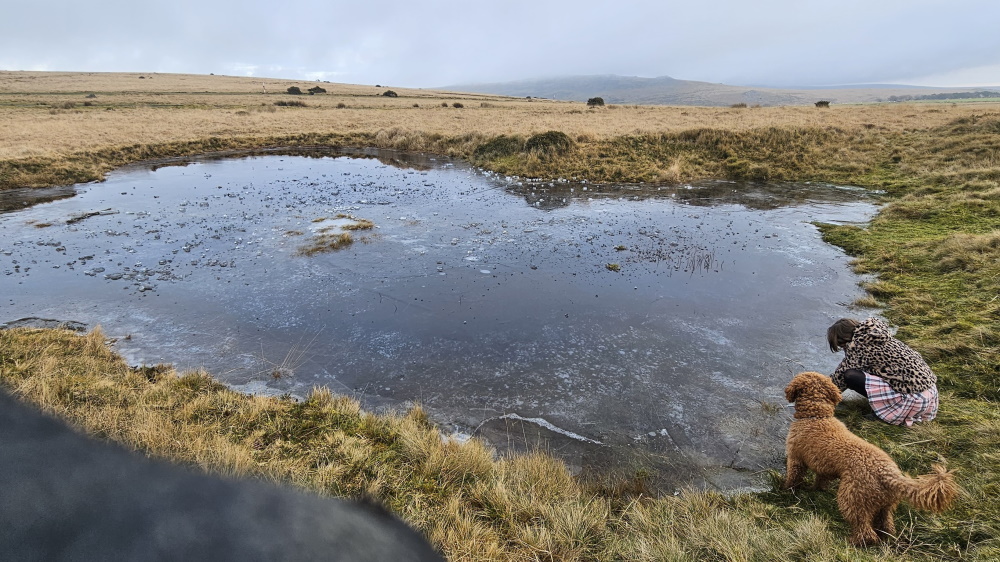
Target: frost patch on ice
column 548, row 425
column 706, row 333
column 329, row 226
column 459, row 437
column 261, row 388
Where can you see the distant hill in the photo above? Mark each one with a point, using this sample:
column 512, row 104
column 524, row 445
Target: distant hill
column 670, row 91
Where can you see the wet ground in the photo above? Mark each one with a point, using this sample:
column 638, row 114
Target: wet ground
column 615, row 326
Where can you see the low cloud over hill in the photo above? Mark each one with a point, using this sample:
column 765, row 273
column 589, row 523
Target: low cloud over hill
column 669, row 91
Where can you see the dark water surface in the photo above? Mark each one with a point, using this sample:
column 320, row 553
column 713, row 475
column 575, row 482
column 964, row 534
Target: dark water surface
column 494, row 304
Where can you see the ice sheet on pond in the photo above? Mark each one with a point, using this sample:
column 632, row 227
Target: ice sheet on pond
column 653, row 318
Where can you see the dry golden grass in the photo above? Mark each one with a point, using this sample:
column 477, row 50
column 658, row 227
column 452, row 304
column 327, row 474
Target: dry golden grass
column 469, row 503
column 164, row 108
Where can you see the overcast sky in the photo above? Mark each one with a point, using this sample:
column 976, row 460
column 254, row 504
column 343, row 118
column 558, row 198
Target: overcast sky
column 408, row 43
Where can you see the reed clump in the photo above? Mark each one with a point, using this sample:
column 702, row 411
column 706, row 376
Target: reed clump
column 333, row 237
column 327, row 243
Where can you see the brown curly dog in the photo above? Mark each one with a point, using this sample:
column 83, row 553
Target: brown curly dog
column 871, row 484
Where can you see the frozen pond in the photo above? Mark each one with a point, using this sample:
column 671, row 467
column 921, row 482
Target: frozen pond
column 608, row 324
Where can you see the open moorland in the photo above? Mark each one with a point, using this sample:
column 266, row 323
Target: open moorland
column 933, row 255
column 665, row 90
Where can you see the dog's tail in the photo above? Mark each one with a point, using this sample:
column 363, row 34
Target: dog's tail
column 931, row 492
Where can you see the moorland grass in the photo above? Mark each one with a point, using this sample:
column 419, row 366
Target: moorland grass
column 132, row 119
column 931, row 255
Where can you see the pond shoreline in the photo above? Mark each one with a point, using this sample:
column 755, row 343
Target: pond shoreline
column 489, row 311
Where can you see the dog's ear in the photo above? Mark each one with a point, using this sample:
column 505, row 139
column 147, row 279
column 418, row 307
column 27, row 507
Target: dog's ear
column 792, row 390
column 832, row 392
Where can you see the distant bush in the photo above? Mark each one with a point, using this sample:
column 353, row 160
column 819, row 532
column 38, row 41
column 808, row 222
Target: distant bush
column 740, row 105
column 88, row 103
column 551, row 142
column 294, row 90
column 68, row 105
column 444, row 104
column 317, row 90
column 595, row 102
column 341, row 105
column 948, row 96
column 416, row 105
column 822, row 103
column 457, row 105
column 390, row 94
column 290, row 103
column 91, row 96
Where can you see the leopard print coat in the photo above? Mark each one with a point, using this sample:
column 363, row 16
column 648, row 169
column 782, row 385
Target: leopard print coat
column 875, row 351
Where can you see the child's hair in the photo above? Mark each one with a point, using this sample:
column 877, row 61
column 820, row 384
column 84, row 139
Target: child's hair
column 841, row 333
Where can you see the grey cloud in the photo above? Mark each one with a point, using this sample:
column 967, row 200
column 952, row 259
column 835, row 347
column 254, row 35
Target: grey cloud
column 770, row 42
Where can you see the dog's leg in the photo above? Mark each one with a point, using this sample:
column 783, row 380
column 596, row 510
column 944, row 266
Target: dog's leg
column 862, row 532
column 821, row 481
column 884, row 520
column 863, row 536
column 796, row 471
column 857, row 512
